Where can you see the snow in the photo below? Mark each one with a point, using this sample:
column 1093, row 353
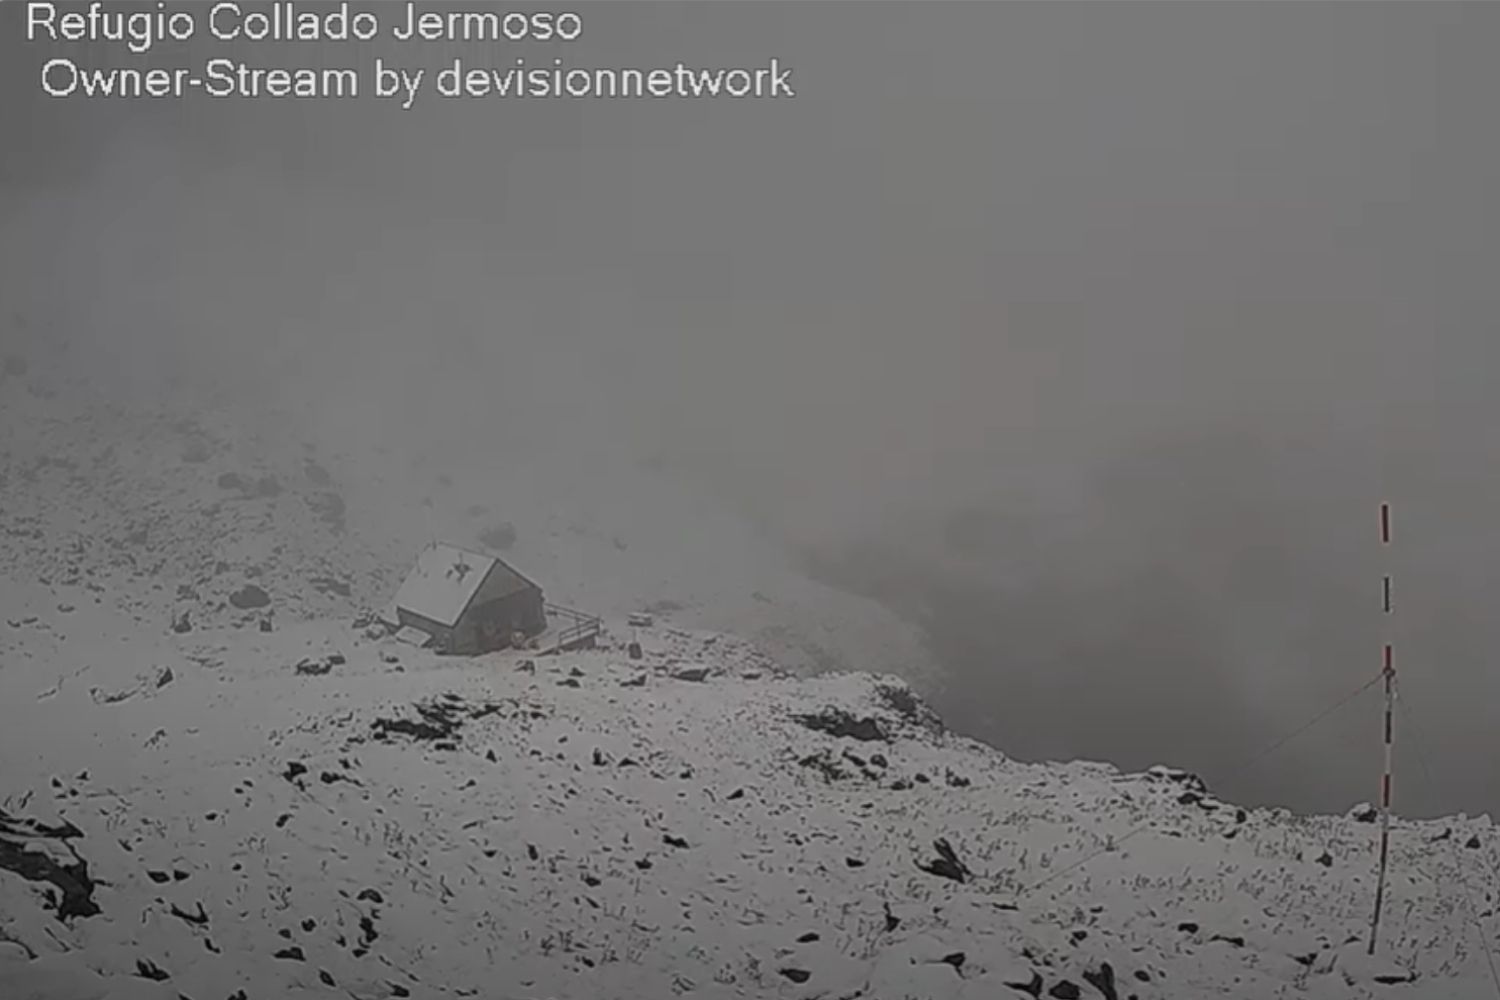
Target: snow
column 597, row 827
column 713, row 820
column 443, row 582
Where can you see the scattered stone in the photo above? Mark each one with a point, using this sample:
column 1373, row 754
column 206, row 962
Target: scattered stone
column 199, row 919
column 19, row 839
column 1032, row 988
column 147, row 969
column 249, row 597
column 330, row 585
column 329, row 508
column 947, row 864
column 310, row 667
column 1103, row 981
column 798, row 976
column 292, row 954
column 196, row 451
column 499, row 536
column 840, row 724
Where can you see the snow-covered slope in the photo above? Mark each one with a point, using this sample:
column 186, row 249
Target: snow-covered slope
column 382, row 822
column 195, row 514
column 217, row 781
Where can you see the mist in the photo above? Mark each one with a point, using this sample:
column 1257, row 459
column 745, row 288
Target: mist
column 1087, row 338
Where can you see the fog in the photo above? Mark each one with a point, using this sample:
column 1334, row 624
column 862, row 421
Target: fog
column 1089, row 337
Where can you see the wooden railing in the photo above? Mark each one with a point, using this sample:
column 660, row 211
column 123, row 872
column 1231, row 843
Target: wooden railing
column 579, row 630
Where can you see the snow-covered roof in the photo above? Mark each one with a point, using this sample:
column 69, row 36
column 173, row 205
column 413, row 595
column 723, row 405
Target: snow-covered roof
column 446, row 578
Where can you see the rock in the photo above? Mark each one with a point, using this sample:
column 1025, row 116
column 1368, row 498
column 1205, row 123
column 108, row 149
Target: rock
column 1033, row 988
column 250, row 597
column 798, row 976
column 839, row 723
column 309, row 667
column 1103, row 981
column 947, row 864
column 691, row 674
column 329, row 508
column 196, row 451
column 1364, row 813
column 1065, row 990
column 499, row 536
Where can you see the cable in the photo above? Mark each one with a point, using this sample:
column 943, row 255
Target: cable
column 1463, row 879
column 1235, row 771
column 1316, row 719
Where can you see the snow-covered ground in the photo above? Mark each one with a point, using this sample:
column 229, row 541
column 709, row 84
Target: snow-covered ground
column 218, row 780
column 693, row 823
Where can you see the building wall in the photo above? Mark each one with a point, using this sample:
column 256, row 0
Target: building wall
column 489, row 625
column 504, row 603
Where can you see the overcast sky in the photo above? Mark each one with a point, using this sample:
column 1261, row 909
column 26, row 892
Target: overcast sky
column 1089, row 335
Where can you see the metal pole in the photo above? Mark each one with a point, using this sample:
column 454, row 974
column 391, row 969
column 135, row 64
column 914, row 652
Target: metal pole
column 1389, row 673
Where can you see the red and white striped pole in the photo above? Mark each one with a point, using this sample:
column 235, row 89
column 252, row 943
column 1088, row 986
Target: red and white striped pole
column 1389, row 675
